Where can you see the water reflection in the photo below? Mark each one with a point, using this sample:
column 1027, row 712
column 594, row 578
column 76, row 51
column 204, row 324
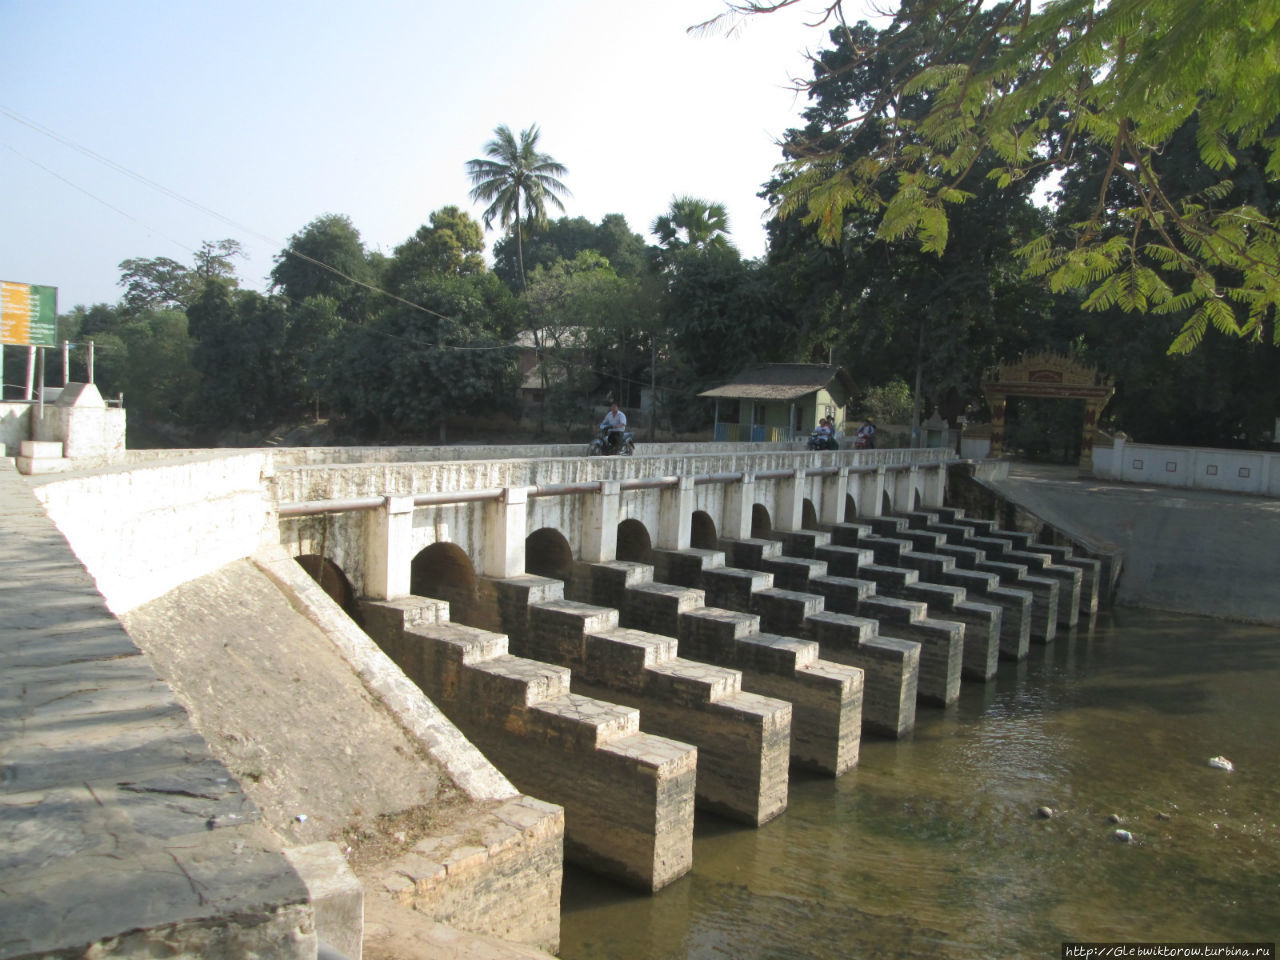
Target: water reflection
column 933, row 848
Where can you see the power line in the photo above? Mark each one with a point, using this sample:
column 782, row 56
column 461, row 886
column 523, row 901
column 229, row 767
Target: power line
column 173, row 194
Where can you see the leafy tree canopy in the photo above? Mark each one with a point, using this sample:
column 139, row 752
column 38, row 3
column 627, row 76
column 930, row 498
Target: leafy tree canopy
column 1039, row 87
column 325, row 259
column 452, row 243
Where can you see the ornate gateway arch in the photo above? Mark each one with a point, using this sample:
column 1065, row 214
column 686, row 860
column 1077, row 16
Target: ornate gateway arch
column 1047, row 375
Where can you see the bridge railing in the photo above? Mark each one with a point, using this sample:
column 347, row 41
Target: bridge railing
column 445, row 498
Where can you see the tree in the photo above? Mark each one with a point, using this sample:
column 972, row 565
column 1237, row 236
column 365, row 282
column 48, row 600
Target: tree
column 1034, row 87
column 415, row 364
column 517, row 182
column 691, row 222
column 154, row 284
column 452, row 244
column 565, row 238
column 885, row 308
column 326, row 259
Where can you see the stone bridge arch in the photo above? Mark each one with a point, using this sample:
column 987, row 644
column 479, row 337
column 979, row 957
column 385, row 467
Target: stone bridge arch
column 761, row 521
column 1048, row 375
column 547, row 554
column 332, row 580
column 634, row 542
column 444, row 571
column 702, row 531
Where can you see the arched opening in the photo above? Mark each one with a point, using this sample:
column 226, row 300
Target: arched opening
column 761, row 523
column 886, row 504
column 547, row 554
column 444, row 571
column 808, row 515
column 850, row 509
column 915, row 500
column 332, row 581
column 634, row 543
column 702, row 534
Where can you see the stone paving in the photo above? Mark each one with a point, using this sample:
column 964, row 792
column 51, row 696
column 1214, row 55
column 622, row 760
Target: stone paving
column 101, row 772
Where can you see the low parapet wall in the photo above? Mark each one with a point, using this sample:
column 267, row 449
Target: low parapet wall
column 143, row 530
column 1200, row 468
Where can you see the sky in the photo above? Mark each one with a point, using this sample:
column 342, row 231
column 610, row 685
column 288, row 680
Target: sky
column 135, row 129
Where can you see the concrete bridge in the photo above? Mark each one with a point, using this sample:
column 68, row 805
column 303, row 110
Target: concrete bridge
column 627, row 638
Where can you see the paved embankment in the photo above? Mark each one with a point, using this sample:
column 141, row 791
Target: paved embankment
column 116, row 822
column 1190, row 551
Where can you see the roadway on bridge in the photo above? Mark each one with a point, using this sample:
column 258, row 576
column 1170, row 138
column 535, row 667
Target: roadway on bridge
column 1191, row 551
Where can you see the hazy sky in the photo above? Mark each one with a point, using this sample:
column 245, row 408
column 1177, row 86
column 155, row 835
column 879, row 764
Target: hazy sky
column 265, row 115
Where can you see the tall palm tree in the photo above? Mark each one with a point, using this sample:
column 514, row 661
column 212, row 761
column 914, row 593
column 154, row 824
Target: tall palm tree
column 691, row 222
column 518, row 180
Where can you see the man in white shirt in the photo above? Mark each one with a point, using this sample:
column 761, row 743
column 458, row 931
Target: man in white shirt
column 615, row 421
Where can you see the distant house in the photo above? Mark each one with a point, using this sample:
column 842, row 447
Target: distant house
column 780, row 401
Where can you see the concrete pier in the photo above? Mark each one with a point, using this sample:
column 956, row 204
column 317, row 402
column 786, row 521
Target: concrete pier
column 743, row 739
column 627, row 795
column 891, row 666
column 890, row 563
column 785, row 611
column 826, row 697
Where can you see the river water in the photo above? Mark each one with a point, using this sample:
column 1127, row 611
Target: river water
column 933, row 848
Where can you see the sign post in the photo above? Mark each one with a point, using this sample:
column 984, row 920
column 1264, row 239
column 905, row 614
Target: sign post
column 28, row 317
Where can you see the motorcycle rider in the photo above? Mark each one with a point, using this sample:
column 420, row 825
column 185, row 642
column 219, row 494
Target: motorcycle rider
column 615, row 421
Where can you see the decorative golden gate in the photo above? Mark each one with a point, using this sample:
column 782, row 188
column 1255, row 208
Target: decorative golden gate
column 1048, row 375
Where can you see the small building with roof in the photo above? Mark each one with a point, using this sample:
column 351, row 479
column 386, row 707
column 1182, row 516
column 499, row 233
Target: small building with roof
column 780, row 401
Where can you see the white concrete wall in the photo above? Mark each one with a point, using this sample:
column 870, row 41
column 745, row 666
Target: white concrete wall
column 1200, row 468
column 141, row 532
column 342, row 537
column 15, row 426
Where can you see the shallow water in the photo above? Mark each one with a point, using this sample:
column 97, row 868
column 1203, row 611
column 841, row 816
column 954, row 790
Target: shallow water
column 932, row 847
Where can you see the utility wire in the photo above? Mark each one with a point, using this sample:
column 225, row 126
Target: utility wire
column 173, row 194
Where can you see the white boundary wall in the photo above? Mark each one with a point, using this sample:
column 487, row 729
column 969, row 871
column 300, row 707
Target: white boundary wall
column 1200, row 468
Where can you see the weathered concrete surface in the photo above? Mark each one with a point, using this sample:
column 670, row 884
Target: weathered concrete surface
column 119, row 831
column 628, row 796
column 1189, row 551
column 326, row 758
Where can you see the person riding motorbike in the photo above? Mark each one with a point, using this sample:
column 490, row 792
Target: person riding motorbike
column 615, row 421
column 823, row 436
column 865, row 438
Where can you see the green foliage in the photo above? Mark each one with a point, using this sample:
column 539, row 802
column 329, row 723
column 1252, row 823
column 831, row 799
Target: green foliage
column 451, row 244
column 890, row 402
column 1008, row 91
column 410, row 367
column 325, row 259
column 565, row 238
column 517, row 181
column 691, row 222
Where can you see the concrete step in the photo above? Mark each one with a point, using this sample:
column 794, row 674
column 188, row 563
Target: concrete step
column 793, row 573
column 732, row 587
column 685, row 567
column 844, row 561
column 743, row 739
column 749, row 551
column 628, row 796
column 801, row 543
column 826, row 698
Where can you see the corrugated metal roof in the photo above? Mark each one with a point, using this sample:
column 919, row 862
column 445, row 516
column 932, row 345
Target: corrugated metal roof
column 782, row 381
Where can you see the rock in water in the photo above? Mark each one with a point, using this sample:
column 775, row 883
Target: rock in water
column 1221, row 763
column 1124, row 836
column 1045, row 812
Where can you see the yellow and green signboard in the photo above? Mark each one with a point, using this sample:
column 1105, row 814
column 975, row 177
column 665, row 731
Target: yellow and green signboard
column 28, row 314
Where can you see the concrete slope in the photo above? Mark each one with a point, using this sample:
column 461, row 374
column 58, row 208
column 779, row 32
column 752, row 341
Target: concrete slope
column 282, row 709
column 1189, row 551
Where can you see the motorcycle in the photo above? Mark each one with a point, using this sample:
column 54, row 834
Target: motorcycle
column 601, row 447
column 821, row 441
